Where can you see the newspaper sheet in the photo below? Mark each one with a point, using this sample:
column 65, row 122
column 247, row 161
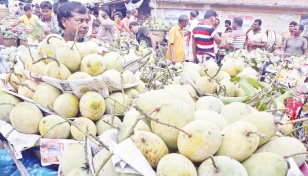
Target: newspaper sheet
column 293, row 170
column 51, row 149
column 18, row 141
column 100, row 84
column 126, row 158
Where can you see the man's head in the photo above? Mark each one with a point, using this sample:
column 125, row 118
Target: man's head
column 104, row 10
column 117, row 16
column 183, row 21
column 211, row 16
column 28, row 11
column 72, row 15
column 128, row 13
column 37, row 8
column 237, row 22
column 257, row 25
column 194, row 14
column 133, row 27
column 61, row 2
column 228, row 30
column 292, row 25
column 227, row 23
column 135, row 12
column 46, row 7
column 298, row 29
column 21, row 5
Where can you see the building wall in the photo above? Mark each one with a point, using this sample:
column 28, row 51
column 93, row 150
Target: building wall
column 274, row 17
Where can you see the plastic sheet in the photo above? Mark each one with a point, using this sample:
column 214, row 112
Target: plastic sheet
column 32, row 164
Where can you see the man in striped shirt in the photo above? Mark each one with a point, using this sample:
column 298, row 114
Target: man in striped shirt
column 237, row 37
column 203, row 37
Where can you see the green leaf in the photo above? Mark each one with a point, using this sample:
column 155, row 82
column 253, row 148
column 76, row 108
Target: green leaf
column 253, row 82
column 235, row 79
column 263, row 106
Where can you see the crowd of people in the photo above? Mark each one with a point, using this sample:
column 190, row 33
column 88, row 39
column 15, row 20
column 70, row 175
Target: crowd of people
column 201, row 42
column 64, row 17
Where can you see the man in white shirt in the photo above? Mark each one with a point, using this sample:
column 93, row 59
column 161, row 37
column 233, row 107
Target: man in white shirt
column 256, row 38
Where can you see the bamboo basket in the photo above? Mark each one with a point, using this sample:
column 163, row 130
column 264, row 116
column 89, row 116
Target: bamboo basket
column 9, row 42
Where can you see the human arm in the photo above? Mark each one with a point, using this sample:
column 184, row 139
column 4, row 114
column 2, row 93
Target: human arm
column 304, row 50
column 152, row 38
column 16, row 23
column 103, row 19
column 284, row 47
column 217, row 39
column 194, row 49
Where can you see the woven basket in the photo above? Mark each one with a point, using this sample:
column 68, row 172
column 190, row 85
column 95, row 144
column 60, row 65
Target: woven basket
column 4, row 13
column 23, row 42
column 9, row 42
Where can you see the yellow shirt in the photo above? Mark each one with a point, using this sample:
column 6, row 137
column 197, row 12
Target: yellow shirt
column 27, row 21
column 176, row 37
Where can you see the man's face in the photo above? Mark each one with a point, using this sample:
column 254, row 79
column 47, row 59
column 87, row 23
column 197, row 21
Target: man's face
column 233, row 25
column 128, row 15
column 226, row 24
column 117, row 18
column 256, row 26
column 37, row 9
column 291, row 28
column 136, row 14
column 77, row 20
column 297, row 31
column 46, row 13
column 184, row 23
column 134, row 29
column 28, row 13
column 21, row 6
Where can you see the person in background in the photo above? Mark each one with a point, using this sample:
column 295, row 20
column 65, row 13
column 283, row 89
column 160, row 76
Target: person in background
column 134, row 16
column 91, row 33
column 228, row 30
column 107, row 27
column 193, row 22
column 37, row 11
column 27, row 19
column 49, row 21
column 291, row 28
column 61, row 2
column 72, row 16
column 20, row 12
column 203, row 38
column 125, row 20
column 175, row 51
column 237, row 37
column 119, row 25
column 296, row 44
column 227, row 23
column 143, row 35
column 13, row 10
column 256, row 38
column 285, row 35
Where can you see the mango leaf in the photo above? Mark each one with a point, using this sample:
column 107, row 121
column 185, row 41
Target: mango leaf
column 235, row 79
column 263, row 106
column 253, row 82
